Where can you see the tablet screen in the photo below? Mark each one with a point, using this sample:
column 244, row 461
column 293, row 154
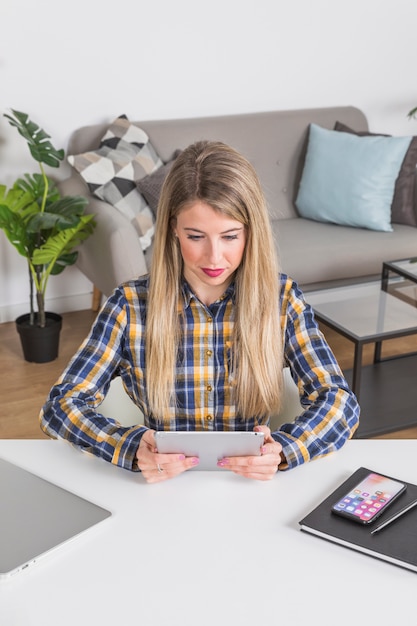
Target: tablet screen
column 211, row 446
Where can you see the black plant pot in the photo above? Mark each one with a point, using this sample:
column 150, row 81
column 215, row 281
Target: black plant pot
column 39, row 345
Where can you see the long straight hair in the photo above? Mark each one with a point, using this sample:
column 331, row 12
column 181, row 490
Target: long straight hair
column 214, row 173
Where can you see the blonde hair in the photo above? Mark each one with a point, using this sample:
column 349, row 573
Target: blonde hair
column 216, row 174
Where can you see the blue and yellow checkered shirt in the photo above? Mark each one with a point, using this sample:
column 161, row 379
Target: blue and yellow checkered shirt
column 116, row 347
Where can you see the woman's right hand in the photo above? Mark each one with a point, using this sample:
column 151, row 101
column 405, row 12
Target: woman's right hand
column 157, row 467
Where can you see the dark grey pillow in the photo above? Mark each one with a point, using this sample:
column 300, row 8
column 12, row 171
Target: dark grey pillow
column 402, row 208
column 150, row 186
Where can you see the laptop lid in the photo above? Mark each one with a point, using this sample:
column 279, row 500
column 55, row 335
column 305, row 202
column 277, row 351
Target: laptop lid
column 37, row 516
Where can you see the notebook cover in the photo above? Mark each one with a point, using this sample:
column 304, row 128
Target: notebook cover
column 397, row 543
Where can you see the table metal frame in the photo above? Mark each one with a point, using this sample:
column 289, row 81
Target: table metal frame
column 355, row 376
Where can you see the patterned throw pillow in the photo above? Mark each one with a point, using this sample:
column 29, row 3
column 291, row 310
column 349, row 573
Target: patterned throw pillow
column 111, row 172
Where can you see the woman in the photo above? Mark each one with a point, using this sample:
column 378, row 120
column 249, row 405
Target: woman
column 201, row 342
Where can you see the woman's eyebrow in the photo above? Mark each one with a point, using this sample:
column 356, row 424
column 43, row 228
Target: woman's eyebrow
column 231, row 230
column 224, row 232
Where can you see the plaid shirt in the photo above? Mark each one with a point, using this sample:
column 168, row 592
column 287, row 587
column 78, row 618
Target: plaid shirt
column 116, row 347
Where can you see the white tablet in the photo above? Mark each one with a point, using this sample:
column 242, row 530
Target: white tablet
column 211, row 446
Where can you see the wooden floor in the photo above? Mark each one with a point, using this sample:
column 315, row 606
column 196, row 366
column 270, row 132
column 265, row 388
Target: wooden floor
column 24, row 386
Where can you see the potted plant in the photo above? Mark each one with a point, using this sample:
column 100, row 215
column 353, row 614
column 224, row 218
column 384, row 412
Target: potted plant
column 44, row 227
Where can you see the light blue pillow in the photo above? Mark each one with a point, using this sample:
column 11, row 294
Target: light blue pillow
column 350, row 180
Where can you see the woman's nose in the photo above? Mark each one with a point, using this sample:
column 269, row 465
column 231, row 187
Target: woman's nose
column 214, row 252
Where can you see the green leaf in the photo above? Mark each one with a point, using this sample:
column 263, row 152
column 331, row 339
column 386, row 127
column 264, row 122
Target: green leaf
column 37, row 139
column 60, row 215
column 63, row 261
column 35, row 184
column 14, row 228
column 63, row 242
column 68, row 206
column 18, row 201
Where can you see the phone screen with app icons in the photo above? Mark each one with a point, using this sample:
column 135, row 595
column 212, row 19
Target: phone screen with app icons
column 369, row 499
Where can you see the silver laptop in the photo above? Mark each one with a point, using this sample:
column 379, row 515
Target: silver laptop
column 37, row 516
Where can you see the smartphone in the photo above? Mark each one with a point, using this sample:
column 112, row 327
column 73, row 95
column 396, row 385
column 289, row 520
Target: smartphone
column 369, row 498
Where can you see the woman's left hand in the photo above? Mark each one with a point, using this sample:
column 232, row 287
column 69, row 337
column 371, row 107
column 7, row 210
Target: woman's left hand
column 262, row 467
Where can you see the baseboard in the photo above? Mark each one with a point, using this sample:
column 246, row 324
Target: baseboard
column 62, row 304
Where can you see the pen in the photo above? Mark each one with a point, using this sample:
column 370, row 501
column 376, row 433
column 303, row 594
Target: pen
column 394, row 517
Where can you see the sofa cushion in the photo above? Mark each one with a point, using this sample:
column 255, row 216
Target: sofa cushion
column 350, row 180
column 125, row 155
column 402, row 209
column 329, row 253
column 150, row 186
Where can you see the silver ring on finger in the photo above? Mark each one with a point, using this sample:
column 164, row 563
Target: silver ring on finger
column 160, row 470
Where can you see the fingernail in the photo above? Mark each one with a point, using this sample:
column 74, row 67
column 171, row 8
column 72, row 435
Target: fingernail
column 181, row 457
column 263, row 449
column 195, row 460
column 222, row 462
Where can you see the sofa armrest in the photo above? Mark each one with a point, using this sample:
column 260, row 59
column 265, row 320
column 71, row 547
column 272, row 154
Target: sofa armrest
column 112, row 254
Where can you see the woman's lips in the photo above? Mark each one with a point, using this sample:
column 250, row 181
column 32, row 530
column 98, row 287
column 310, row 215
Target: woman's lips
column 212, row 273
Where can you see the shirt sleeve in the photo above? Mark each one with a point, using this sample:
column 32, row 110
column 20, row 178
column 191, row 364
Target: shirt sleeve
column 331, row 411
column 71, row 409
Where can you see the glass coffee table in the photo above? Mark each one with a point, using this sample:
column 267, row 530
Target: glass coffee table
column 371, row 313
column 405, row 270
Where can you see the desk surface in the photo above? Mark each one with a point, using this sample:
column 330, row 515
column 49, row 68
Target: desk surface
column 206, row 548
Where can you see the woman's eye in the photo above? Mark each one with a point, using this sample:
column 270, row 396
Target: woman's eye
column 200, row 237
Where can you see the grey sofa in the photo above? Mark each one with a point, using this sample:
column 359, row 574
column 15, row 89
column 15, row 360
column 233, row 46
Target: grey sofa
column 316, row 254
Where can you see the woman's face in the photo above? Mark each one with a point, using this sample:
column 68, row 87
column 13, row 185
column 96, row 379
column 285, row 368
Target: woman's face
column 212, row 246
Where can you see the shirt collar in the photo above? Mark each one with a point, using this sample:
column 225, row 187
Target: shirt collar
column 188, row 294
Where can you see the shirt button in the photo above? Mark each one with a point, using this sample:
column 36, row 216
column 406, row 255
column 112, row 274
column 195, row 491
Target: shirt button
column 209, row 319
column 209, row 418
column 209, row 352
column 209, row 388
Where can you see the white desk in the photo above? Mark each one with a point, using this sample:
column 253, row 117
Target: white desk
column 173, row 554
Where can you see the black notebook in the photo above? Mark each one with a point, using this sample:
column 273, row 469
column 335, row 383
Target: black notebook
column 397, row 543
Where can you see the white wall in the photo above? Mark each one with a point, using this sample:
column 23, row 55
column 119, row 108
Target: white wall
column 84, row 61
